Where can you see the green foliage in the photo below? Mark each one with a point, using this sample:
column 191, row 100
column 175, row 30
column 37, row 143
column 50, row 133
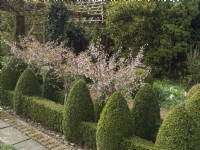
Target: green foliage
column 87, row 134
column 76, row 38
column 178, row 132
column 193, row 90
column 10, row 99
column 7, row 147
column 132, row 24
column 51, row 85
column 43, row 111
column 98, row 107
column 136, row 143
column 114, row 124
column 193, row 107
column 142, row 73
column 56, row 19
column 77, row 108
column 146, row 112
column 28, row 83
column 59, row 97
column 10, row 74
column 169, row 93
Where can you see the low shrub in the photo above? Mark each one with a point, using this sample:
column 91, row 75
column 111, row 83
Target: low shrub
column 136, row 143
column 193, row 107
column 44, row 111
column 7, row 147
column 178, row 131
column 193, row 90
column 146, row 112
column 51, row 85
column 114, row 124
column 77, row 108
column 169, row 94
column 98, row 107
column 87, row 134
column 10, row 99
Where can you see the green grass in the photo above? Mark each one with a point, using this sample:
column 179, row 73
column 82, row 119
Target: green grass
column 6, row 147
column 169, row 93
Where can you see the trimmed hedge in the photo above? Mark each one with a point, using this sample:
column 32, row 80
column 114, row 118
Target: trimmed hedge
column 98, row 107
column 59, row 97
column 179, row 131
column 146, row 112
column 10, row 99
column 193, row 90
column 136, row 143
column 51, row 85
column 87, row 134
column 77, row 108
column 193, row 107
column 44, row 111
column 10, row 74
column 114, row 124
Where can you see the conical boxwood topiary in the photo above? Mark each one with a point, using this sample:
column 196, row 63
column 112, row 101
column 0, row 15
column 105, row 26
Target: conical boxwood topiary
column 114, row 124
column 193, row 107
column 179, row 131
column 146, row 112
column 193, row 90
column 51, row 85
column 11, row 73
column 77, row 108
column 26, row 85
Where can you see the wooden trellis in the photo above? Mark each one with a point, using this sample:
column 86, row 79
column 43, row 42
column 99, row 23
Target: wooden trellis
column 89, row 11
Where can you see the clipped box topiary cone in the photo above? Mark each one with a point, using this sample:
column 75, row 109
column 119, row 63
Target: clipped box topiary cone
column 179, row 131
column 146, row 112
column 114, row 124
column 77, row 108
column 193, row 90
column 26, row 85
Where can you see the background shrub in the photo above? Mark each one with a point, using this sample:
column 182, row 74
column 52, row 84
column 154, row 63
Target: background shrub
column 77, row 108
column 10, row 74
column 193, row 90
column 51, row 85
column 178, row 132
column 114, row 124
column 146, row 112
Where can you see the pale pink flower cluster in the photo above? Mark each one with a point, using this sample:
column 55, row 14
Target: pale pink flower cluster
column 108, row 74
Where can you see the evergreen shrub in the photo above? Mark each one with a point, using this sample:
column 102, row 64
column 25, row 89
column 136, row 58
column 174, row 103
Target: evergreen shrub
column 136, row 143
column 178, row 131
column 193, row 90
column 77, row 108
column 114, row 124
column 146, row 112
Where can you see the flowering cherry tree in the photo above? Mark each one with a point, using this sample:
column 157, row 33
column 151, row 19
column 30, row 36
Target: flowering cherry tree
column 108, row 74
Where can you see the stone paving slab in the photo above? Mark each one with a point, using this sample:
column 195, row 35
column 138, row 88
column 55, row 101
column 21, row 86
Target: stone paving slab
column 3, row 124
column 29, row 145
column 12, row 136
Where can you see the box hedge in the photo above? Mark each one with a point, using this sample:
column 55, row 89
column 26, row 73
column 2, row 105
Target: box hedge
column 193, row 90
column 87, row 134
column 178, row 131
column 146, row 112
column 44, row 111
column 137, row 143
column 114, row 124
column 77, row 108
